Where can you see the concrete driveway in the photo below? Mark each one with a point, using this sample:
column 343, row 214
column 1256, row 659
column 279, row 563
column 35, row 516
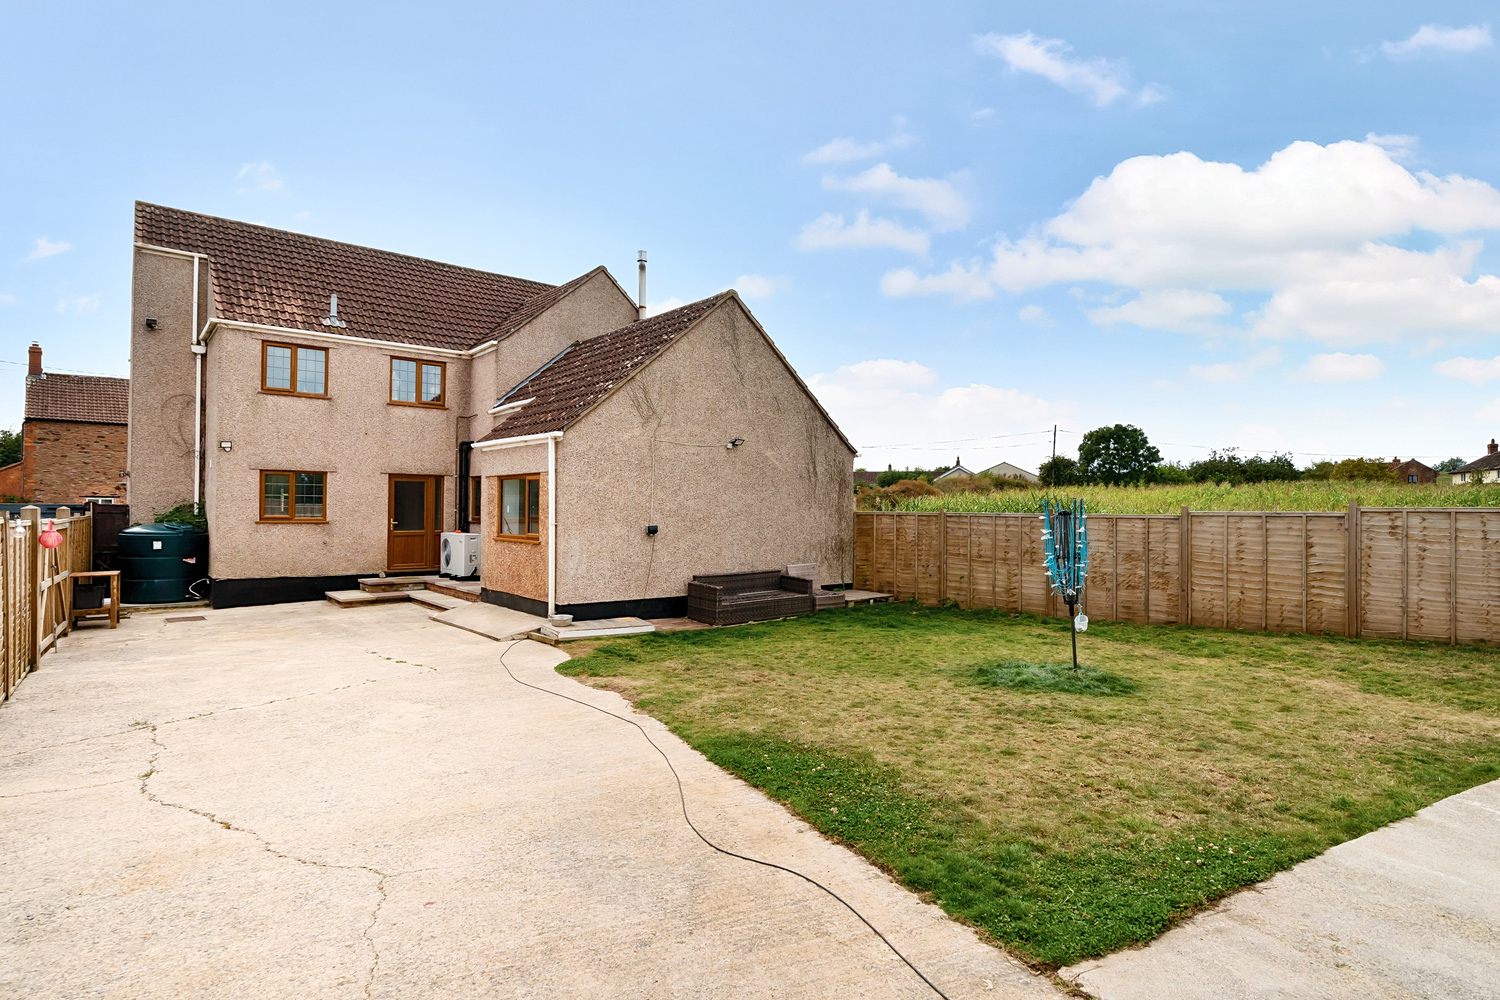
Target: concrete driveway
column 304, row 801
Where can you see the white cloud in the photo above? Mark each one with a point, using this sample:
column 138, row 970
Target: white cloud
column 884, row 403
column 1236, row 371
column 1179, row 309
column 1036, row 314
column 1310, row 229
column 1432, row 39
column 830, row 232
column 940, row 201
column 1401, row 147
column 1101, row 81
column 259, row 178
column 963, row 283
column 1341, row 367
column 83, row 303
column 7, row 300
column 849, row 150
column 1475, row 370
column 44, row 247
column 754, row 286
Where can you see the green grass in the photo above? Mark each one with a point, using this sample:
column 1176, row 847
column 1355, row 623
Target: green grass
column 1308, row 495
column 945, row 746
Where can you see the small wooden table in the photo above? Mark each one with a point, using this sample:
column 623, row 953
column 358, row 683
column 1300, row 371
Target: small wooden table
column 113, row 611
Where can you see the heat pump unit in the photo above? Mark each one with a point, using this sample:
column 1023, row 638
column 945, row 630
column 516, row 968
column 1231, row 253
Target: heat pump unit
column 460, row 554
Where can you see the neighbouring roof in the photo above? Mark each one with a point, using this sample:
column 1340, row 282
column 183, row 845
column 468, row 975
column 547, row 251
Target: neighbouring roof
column 84, row 399
column 957, row 470
column 1006, row 469
column 566, row 387
column 278, row 278
column 1481, row 464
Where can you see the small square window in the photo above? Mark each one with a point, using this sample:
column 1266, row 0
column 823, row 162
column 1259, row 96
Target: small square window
column 417, row 382
column 520, row 507
column 292, row 496
column 296, row 371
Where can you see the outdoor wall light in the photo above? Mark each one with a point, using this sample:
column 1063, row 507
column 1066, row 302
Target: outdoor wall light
column 226, row 445
column 650, row 529
column 151, row 322
column 735, row 443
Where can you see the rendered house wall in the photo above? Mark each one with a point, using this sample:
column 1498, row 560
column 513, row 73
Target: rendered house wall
column 654, row 453
column 509, row 566
column 160, row 446
column 356, row 436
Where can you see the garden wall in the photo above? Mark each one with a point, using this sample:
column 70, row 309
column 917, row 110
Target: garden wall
column 1415, row 573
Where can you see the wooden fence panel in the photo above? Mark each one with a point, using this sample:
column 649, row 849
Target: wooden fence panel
column 1164, row 572
column 1477, row 611
column 1326, row 555
column 1130, row 568
column 1286, row 549
column 864, row 552
column 1208, row 562
column 1429, row 575
column 1382, row 574
column 1100, row 592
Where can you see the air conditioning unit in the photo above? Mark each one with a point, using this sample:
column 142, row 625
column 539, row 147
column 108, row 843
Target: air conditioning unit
column 460, row 554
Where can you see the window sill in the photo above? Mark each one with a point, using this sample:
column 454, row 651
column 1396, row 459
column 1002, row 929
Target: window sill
column 300, row 395
column 421, row 406
column 292, row 520
column 523, row 539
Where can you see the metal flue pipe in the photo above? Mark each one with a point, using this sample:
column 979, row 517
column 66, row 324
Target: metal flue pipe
column 640, row 299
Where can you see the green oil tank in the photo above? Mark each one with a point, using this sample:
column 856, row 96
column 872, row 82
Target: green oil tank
column 158, row 562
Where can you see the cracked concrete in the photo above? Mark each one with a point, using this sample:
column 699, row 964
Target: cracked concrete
column 310, row 801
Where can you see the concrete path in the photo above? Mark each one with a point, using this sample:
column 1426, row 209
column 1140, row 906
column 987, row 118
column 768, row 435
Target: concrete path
column 1410, row 910
column 309, row 802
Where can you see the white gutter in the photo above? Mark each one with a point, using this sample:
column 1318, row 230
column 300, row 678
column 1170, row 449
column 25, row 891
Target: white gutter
column 551, row 437
column 510, row 407
column 344, row 338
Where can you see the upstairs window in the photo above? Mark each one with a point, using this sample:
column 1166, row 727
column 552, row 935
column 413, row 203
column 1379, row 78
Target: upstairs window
column 296, row 371
column 520, row 508
column 292, row 496
column 417, row 383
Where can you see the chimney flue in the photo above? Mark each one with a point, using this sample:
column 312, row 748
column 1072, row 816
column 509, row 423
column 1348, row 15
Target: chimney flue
column 640, row 301
column 34, row 360
column 1493, row 446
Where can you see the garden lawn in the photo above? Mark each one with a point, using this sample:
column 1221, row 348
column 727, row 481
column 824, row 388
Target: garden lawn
column 1069, row 823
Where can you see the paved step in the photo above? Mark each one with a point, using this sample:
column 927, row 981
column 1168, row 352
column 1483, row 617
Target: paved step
column 491, row 621
column 464, row 590
column 383, row 584
column 361, row 598
column 436, row 600
column 598, row 629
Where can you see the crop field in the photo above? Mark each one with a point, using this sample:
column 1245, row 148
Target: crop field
column 1306, row 495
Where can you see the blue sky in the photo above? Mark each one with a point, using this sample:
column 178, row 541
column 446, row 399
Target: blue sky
column 1266, row 225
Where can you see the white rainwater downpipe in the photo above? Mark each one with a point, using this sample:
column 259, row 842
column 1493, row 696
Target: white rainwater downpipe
column 198, row 350
column 552, row 525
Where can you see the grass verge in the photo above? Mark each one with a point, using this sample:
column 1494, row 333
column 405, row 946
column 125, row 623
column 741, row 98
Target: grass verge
column 947, row 747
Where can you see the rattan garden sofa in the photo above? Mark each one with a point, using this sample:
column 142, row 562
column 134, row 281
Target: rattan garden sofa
column 735, row 598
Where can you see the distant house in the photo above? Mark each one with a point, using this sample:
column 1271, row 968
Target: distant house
column 1481, row 470
column 863, row 477
column 73, row 438
column 957, row 472
column 1412, row 471
column 1007, row 471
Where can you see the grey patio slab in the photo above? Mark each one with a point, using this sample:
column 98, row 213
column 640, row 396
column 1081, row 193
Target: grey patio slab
column 295, row 801
column 1409, row 910
column 490, row 621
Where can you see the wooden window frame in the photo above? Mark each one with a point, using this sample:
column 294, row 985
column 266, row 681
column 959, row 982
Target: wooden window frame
column 291, row 518
column 528, row 538
column 476, row 499
column 441, row 403
column 294, row 348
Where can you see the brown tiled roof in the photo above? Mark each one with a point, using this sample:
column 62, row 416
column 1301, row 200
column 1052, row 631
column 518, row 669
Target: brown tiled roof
column 85, row 399
column 1481, row 464
column 567, row 386
column 279, row 278
column 536, row 305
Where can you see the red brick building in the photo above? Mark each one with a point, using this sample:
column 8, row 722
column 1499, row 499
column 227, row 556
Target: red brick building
column 1412, row 471
column 72, row 439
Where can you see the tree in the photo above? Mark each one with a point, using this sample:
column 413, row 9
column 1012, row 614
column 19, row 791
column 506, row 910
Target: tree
column 10, row 447
column 1170, row 472
column 1058, row 471
column 1371, row 469
column 1116, row 455
column 1228, row 467
column 1449, row 465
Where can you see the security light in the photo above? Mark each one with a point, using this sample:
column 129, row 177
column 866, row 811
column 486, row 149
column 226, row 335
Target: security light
column 735, row 443
column 226, row 445
column 151, row 322
column 650, row 529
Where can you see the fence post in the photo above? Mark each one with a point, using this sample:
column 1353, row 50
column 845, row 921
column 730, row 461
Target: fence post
column 1351, row 571
column 1185, row 563
column 32, row 515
